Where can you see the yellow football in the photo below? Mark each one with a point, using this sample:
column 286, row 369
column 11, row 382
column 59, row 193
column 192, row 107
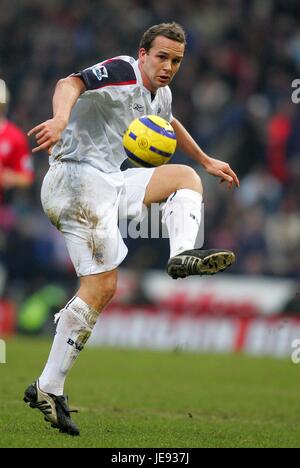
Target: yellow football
column 149, row 141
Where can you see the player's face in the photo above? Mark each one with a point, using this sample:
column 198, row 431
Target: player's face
column 159, row 65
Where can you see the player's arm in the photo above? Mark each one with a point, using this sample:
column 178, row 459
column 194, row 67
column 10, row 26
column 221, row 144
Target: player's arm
column 215, row 167
column 66, row 93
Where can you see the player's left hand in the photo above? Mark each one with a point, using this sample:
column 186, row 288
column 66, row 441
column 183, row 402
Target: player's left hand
column 48, row 133
column 222, row 170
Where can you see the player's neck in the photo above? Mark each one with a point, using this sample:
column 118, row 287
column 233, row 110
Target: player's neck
column 146, row 82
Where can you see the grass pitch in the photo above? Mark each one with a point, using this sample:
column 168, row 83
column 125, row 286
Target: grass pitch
column 133, row 398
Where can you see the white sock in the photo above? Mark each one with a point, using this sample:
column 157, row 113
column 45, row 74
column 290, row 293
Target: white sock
column 75, row 324
column 182, row 216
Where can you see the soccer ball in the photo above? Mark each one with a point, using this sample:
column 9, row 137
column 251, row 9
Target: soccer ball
column 149, row 141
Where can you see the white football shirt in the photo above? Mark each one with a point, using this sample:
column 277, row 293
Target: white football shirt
column 115, row 96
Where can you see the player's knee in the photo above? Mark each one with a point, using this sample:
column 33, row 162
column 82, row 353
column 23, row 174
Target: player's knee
column 188, row 178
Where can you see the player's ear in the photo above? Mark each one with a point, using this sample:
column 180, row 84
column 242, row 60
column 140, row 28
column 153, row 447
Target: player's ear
column 142, row 54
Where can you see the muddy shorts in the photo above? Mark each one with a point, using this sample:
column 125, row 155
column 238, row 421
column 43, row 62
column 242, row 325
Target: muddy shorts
column 86, row 205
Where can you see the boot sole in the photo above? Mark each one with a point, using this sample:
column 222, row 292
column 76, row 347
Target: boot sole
column 179, row 267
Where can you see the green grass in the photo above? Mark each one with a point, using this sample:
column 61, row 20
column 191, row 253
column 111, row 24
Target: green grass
column 132, row 398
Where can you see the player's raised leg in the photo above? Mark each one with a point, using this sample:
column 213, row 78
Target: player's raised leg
column 182, row 188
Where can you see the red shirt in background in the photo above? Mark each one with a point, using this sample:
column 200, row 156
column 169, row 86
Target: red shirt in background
column 279, row 130
column 14, row 151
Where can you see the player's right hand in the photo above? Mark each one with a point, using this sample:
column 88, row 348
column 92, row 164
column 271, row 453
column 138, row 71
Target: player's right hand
column 47, row 133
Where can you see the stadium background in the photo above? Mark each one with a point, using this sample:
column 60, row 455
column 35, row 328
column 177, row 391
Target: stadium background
column 233, row 93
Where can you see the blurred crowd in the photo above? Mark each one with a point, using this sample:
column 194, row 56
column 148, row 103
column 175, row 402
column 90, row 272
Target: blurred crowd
column 233, row 93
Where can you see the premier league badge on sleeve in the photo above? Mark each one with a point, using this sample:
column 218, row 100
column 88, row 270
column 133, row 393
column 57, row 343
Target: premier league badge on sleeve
column 100, row 72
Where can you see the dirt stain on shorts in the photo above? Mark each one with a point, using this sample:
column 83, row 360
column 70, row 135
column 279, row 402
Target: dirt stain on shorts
column 84, row 215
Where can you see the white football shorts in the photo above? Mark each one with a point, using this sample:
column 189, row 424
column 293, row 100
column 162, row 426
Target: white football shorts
column 85, row 205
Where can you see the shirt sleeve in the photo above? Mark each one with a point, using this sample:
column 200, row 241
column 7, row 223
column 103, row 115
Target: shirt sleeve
column 113, row 72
